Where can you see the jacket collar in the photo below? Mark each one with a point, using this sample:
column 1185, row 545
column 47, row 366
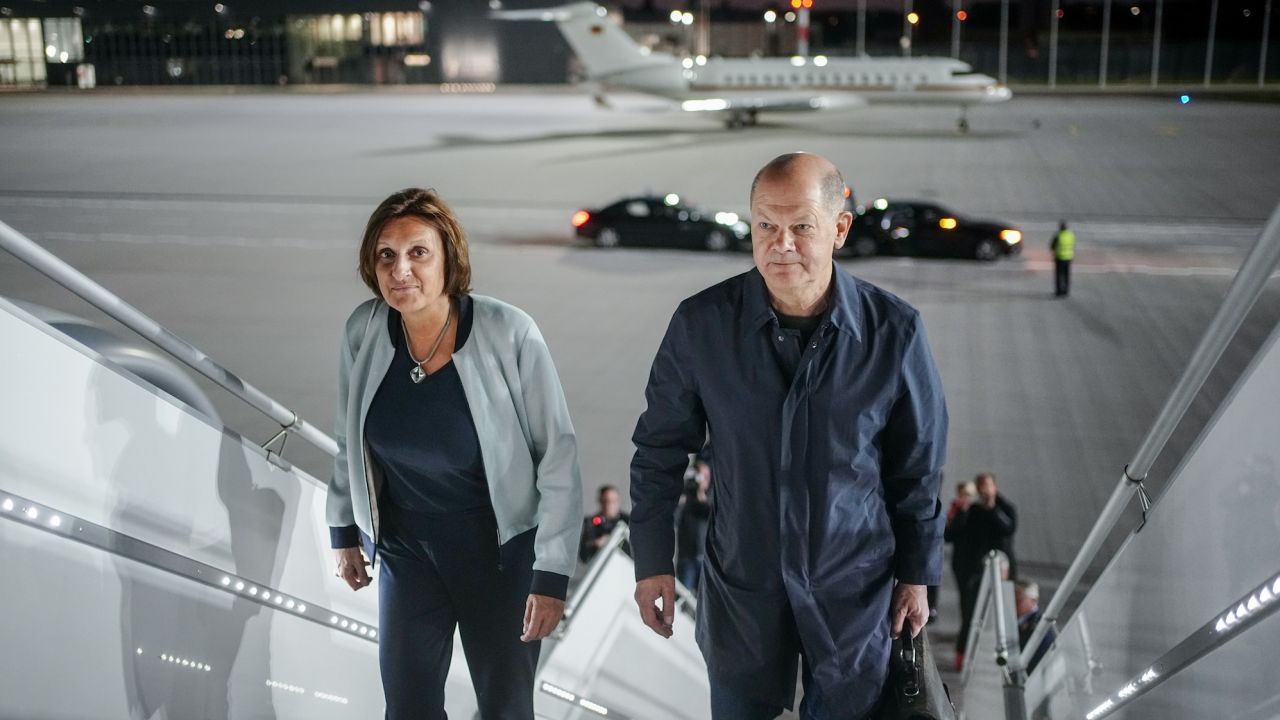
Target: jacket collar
column 844, row 310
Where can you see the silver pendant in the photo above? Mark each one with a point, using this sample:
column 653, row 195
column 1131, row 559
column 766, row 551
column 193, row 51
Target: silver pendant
column 416, row 374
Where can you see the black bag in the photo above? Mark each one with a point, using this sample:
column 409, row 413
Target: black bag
column 915, row 690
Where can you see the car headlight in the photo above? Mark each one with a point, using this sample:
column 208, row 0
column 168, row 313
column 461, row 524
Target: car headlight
column 727, row 218
column 1013, row 237
column 742, row 228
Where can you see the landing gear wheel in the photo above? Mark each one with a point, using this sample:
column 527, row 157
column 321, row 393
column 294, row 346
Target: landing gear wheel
column 717, row 241
column 741, row 118
column 608, row 238
column 985, row 250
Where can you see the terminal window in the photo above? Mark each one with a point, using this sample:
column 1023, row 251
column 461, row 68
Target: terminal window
column 396, row 28
column 63, row 41
column 21, row 52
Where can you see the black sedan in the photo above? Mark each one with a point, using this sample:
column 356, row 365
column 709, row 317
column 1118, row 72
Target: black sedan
column 924, row 229
column 661, row 221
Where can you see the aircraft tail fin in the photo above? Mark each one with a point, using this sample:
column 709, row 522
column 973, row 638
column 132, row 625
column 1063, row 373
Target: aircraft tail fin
column 604, row 48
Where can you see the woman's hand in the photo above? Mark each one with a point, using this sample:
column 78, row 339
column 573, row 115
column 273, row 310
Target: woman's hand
column 351, row 567
column 541, row 615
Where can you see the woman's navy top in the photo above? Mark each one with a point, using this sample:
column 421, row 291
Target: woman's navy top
column 422, row 434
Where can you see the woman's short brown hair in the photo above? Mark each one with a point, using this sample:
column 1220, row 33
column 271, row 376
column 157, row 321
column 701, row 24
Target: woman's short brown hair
column 425, row 205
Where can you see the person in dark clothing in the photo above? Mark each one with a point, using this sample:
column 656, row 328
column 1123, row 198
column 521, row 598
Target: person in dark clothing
column 691, row 521
column 826, row 412
column 985, row 525
column 1064, row 251
column 597, row 528
column 1026, row 598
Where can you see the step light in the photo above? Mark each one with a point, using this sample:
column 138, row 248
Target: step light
column 121, row 544
column 1239, row 616
column 575, row 699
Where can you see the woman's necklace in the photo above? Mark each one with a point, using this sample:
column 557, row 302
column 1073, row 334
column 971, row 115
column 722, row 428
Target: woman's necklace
column 417, row 373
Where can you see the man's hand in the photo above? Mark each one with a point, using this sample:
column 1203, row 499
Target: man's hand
column 541, row 615
column 648, row 592
column 911, row 603
column 351, row 567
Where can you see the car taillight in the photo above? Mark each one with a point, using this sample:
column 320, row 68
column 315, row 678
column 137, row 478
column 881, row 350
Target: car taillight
column 580, row 218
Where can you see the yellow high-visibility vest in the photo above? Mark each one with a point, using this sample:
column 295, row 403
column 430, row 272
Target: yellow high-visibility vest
column 1065, row 249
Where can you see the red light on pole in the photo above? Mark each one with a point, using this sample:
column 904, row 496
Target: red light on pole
column 962, row 16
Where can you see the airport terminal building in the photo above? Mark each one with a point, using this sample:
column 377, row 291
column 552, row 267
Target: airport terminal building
column 400, row 42
column 386, row 42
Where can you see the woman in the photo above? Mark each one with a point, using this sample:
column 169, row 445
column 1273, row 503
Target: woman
column 457, row 461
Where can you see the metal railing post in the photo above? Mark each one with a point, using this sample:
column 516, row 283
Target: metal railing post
column 1106, row 43
column 1053, row 44
column 956, row 8
column 861, row 48
column 1004, row 42
column 1262, row 53
column 1248, row 284
column 1155, row 44
column 1208, row 50
column 64, row 274
column 1007, row 652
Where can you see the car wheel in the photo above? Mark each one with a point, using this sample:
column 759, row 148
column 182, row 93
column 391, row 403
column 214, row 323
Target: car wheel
column 864, row 247
column 608, row 238
column 717, row 241
column 985, row 250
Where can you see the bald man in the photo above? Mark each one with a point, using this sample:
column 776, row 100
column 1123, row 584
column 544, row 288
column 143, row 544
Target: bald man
column 820, row 395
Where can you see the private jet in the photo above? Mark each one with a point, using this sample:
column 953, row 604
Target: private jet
column 740, row 89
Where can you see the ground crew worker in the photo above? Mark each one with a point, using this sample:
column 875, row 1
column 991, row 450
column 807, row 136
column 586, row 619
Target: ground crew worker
column 1064, row 250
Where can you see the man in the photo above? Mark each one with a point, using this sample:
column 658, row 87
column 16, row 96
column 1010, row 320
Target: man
column 597, row 528
column 985, row 525
column 825, row 409
column 1064, row 251
column 1026, row 598
column 691, row 521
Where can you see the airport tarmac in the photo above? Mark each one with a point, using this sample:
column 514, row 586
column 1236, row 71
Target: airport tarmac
column 233, row 220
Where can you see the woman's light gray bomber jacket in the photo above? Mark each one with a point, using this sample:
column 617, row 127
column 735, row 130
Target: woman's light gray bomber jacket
column 526, row 438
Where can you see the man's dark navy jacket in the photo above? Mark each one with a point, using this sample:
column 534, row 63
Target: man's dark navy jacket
column 826, row 470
